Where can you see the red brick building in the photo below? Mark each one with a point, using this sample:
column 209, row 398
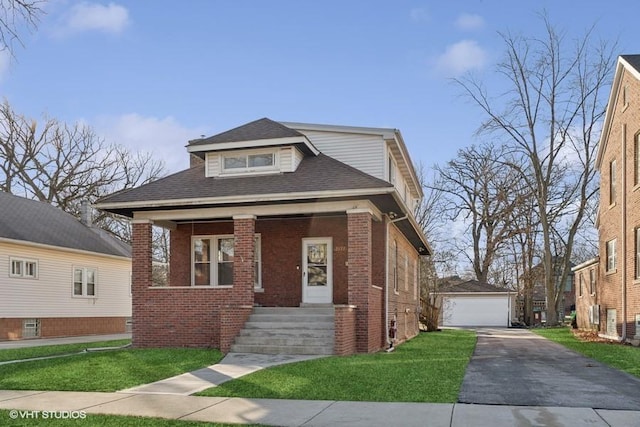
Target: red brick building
column 279, row 216
column 609, row 298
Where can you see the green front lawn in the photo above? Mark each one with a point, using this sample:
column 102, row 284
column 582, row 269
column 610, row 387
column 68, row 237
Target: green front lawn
column 104, row 371
column 102, row 421
column 53, row 350
column 429, row 368
column 623, row 357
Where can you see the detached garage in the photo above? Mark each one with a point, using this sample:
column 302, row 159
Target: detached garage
column 474, row 303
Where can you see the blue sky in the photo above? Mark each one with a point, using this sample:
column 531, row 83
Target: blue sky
column 153, row 74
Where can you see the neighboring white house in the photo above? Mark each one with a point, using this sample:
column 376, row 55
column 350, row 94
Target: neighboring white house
column 474, row 303
column 59, row 276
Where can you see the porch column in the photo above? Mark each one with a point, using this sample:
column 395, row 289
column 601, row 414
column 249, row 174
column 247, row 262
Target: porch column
column 243, row 263
column 359, row 273
column 141, row 275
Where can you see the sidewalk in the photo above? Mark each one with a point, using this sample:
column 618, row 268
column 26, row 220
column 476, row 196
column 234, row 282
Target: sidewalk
column 37, row 342
column 305, row 412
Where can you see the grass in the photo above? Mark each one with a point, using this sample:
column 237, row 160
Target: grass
column 53, row 350
column 102, row 421
column 429, row 368
column 623, row 357
column 104, row 371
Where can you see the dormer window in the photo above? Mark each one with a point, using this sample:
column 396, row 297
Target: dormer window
column 253, row 161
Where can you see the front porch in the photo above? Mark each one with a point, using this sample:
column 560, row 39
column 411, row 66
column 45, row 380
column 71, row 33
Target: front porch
column 221, row 268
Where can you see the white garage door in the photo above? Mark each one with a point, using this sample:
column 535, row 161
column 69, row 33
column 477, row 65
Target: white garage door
column 475, row 311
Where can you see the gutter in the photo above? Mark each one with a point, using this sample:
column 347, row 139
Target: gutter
column 386, row 288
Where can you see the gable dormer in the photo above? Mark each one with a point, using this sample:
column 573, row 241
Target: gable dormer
column 257, row 148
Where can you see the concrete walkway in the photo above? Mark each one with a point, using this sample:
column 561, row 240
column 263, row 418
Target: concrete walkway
column 234, row 365
column 23, row 404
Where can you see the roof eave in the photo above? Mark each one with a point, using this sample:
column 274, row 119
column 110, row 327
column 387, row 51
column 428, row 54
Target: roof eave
column 257, row 143
column 251, row 198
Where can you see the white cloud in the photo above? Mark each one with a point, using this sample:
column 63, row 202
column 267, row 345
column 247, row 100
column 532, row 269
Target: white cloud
column 469, row 22
column 85, row 16
column 461, row 57
column 419, row 15
column 165, row 138
column 5, row 63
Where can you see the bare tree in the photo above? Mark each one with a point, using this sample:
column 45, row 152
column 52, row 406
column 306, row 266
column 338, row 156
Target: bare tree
column 65, row 165
column 482, row 190
column 17, row 16
column 550, row 113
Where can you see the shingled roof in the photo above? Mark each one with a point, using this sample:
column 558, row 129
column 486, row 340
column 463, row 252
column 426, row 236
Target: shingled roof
column 319, row 173
column 633, row 60
column 471, row 286
column 259, row 129
column 37, row 222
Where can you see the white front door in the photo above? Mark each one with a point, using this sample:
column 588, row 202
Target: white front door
column 317, row 271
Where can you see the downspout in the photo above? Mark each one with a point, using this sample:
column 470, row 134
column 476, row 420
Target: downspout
column 624, row 236
column 386, row 287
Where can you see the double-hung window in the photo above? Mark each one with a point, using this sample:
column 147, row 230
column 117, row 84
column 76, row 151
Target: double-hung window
column 85, row 281
column 637, row 251
column 612, row 182
column 213, row 258
column 592, row 281
column 611, row 255
column 24, row 268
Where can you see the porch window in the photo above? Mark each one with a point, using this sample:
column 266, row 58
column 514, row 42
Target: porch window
column 611, row 255
column 213, row 258
column 84, row 282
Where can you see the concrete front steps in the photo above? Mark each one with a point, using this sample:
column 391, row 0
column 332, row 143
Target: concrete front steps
column 287, row 330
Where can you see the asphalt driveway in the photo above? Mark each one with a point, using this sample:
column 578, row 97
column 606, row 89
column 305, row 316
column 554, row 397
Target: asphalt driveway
column 518, row 367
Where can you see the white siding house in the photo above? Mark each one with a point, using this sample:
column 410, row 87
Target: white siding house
column 58, row 276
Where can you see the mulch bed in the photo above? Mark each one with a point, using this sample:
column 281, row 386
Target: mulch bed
column 592, row 336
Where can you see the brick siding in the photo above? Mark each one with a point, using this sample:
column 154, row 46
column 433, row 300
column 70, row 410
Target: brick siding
column 609, row 290
column 54, row 327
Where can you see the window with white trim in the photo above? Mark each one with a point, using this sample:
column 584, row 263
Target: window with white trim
column 213, row 258
column 24, row 268
column 637, row 251
column 636, row 160
column 611, row 255
column 592, row 281
column 85, row 281
column 251, row 161
column 612, row 182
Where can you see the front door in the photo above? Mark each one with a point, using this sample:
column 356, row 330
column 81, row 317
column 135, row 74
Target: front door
column 317, row 271
column 612, row 329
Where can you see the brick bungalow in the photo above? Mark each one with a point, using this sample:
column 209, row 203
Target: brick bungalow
column 608, row 290
column 274, row 216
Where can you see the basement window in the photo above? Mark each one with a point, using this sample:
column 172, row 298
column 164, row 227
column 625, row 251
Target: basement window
column 30, row 328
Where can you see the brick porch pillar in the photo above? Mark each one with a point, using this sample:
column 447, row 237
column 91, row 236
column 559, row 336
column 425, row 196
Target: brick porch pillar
column 243, row 263
column 359, row 273
column 141, row 275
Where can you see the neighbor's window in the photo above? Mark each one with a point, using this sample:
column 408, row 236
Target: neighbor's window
column 25, row 268
column 392, row 171
column 637, row 276
column 611, row 255
column 592, row 281
column 84, row 282
column 636, row 160
column 612, row 182
column 213, row 258
column 239, row 162
column 580, row 285
column 394, row 266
